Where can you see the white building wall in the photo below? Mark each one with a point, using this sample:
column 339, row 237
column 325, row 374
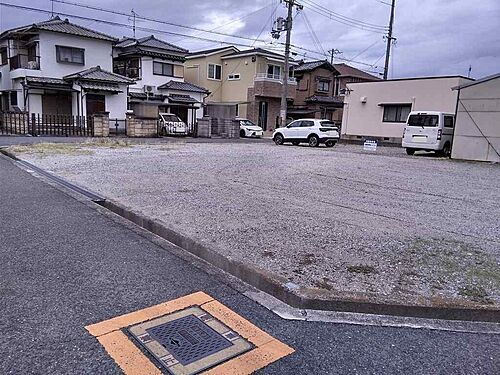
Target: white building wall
column 366, row 119
column 150, row 79
column 97, row 52
column 477, row 129
column 116, row 105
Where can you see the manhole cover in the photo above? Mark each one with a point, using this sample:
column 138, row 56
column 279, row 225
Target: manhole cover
column 189, row 341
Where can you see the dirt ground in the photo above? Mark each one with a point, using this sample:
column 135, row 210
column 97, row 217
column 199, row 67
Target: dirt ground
column 341, row 220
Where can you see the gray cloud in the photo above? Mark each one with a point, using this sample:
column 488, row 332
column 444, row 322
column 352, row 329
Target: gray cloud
column 434, row 37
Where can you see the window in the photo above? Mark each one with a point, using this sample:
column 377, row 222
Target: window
column 130, row 68
column 324, row 86
column 13, row 98
column 3, row 56
column 396, row 113
column 70, row 55
column 448, row 121
column 274, row 71
column 163, row 69
column 32, row 52
column 336, row 87
column 423, row 120
column 237, row 110
column 215, row 71
column 295, row 124
column 233, row 77
column 306, row 124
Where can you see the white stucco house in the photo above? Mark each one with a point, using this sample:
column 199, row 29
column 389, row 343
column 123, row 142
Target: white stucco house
column 378, row 110
column 158, row 71
column 477, row 126
column 57, row 67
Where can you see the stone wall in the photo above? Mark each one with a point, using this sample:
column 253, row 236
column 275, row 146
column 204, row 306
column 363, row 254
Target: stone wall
column 142, row 126
column 101, row 124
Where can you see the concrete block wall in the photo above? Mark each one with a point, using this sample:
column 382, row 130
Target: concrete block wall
column 205, row 127
column 101, row 124
column 225, row 128
column 141, row 126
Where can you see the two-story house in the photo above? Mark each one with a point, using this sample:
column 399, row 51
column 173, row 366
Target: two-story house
column 157, row 67
column 321, row 87
column 249, row 80
column 57, row 67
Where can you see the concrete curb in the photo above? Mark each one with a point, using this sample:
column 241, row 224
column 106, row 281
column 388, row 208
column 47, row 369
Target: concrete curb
column 290, row 294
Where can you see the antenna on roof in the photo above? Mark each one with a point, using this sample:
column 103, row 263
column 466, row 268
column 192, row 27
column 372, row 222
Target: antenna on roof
column 470, row 70
column 133, row 18
column 52, row 9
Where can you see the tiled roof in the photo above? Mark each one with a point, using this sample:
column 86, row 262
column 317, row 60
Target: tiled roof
column 182, row 86
column 209, row 51
column 311, row 65
column 98, row 74
column 47, row 81
column 182, row 99
column 349, row 71
column 144, row 96
column 101, row 86
column 58, row 25
column 151, row 42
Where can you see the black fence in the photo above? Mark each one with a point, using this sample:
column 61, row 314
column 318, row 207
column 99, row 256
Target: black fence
column 14, row 123
column 117, row 126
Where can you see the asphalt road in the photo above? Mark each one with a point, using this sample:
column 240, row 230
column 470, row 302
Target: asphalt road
column 65, row 265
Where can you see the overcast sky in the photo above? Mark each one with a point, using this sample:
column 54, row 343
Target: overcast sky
column 434, row 37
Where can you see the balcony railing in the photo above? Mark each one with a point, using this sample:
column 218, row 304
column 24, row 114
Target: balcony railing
column 24, row 62
column 274, row 78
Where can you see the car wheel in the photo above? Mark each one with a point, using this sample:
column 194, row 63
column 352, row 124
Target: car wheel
column 410, row 151
column 446, row 150
column 295, row 143
column 278, row 139
column 313, row 141
column 330, row 143
column 242, row 133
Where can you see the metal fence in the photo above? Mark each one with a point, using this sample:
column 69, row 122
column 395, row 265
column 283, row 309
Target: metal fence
column 20, row 123
column 117, row 126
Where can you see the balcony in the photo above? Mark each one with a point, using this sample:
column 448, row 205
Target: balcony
column 24, row 62
column 270, row 85
column 274, row 78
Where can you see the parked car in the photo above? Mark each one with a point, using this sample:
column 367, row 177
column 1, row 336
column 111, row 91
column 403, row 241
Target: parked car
column 170, row 124
column 312, row 131
column 429, row 131
column 249, row 129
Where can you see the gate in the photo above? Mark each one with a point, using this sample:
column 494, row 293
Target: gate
column 21, row 123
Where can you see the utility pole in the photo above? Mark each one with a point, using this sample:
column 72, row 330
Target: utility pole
column 288, row 27
column 333, row 52
column 133, row 16
column 389, row 40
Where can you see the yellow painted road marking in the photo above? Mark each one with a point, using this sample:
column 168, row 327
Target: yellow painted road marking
column 132, row 361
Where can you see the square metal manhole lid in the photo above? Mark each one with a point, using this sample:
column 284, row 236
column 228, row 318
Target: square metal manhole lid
column 189, row 341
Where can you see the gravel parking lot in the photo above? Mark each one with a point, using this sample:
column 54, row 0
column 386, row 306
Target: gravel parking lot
column 415, row 229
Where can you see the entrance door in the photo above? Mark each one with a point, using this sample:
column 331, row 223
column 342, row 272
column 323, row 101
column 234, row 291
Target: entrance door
column 95, row 104
column 56, row 104
column 263, row 107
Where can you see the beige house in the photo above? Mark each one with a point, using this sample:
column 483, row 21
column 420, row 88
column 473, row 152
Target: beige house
column 378, row 110
column 249, row 80
column 477, row 127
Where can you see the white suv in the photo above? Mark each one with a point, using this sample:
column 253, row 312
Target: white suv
column 310, row 130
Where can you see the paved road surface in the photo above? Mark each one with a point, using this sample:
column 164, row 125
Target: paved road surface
column 66, row 265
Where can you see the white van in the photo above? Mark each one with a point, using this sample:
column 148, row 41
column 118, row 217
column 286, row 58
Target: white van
column 170, row 124
column 429, row 131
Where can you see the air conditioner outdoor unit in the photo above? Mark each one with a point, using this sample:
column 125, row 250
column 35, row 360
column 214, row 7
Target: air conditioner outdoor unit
column 148, row 89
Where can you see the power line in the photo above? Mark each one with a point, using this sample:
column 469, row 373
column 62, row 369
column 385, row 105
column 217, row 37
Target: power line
column 115, row 12
column 344, row 20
